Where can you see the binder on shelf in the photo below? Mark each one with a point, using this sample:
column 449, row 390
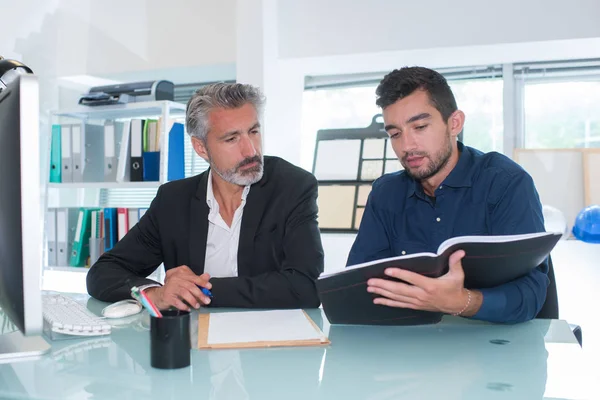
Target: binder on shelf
column 72, row 219
column 133, row 218
column 81, row 243
column 110, row 152
column 123, row 224
column 66, row 223
column 110, row 228
column 122, row 130
column 151, row 131
column 96, row 249
column 136, row 146
column 96, row 238
column 51, row 235
column 55, row 155
column 66, row 160
column 151, row 166
column 176, row 160
column 78, row 152
column 61, row 237
column 94, row 224
column 93, row 136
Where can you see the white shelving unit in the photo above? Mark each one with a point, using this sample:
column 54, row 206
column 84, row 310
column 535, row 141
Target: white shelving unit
column 121, row 112
column 124, row 111
column 104, row 185
column 87, row 194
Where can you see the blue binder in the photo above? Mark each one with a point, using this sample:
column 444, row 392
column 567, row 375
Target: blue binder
column 176, row 166
column 110, row 228
column 151, row 166
column 176, row 157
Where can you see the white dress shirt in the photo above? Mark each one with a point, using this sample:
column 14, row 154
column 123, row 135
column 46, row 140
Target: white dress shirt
column 222, row 241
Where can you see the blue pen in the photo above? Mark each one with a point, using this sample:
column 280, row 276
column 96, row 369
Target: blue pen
column 205, row 291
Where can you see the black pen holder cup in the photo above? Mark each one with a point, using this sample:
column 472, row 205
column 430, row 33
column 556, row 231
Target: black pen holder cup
column 170, row 344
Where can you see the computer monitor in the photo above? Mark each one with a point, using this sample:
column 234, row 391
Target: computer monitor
column 21, row 219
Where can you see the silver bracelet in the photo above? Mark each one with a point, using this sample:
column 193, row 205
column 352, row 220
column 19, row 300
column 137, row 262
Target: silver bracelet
column 458, row 314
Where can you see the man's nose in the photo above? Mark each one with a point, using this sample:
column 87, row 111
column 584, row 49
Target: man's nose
column 247, row 147
column 409, row 142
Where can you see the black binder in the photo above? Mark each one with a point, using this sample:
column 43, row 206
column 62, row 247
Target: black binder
column 489, row 261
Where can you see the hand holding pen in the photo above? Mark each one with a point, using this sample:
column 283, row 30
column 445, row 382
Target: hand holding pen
column 181, row 286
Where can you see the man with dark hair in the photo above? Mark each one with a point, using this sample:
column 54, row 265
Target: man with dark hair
column 246, row 229
column 445, row 190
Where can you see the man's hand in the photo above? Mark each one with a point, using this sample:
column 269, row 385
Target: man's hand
column 444, row 294
column 181, row 284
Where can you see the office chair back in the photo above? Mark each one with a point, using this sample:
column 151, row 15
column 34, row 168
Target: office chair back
column 550, row 308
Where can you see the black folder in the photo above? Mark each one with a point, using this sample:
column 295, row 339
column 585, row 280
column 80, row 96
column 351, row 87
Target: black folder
column 489, row 261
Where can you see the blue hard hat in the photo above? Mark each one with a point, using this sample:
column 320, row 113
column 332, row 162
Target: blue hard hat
column 587, row 225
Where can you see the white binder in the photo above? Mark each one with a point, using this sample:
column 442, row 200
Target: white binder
column 62, row 251
column 78, row 152
column 93, row 136
column 110, row 159
column 66, row 159
column 133, row 217
column 51, row 235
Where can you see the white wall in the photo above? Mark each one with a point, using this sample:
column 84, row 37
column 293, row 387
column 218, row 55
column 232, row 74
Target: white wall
column 72, row 37
column 336, row 37
column 126, row 40
column 313, row 28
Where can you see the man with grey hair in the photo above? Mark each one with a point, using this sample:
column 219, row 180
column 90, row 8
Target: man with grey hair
column 246, row 229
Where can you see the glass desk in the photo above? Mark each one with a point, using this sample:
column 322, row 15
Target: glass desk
column 455, row 359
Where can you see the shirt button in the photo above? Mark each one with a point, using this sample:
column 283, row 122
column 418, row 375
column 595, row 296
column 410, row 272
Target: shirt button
column 403, row 252
column 438, row 219
column 441, row 187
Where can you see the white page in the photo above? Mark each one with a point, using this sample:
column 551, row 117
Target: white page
column 260, row 326
column 490, row 239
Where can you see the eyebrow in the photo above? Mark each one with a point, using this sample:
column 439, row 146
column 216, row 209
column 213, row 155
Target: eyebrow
column 237, row 132
column 408, row 121
column 418, row 117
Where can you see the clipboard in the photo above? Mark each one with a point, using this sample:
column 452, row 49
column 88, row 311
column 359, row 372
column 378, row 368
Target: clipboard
column 203, row 336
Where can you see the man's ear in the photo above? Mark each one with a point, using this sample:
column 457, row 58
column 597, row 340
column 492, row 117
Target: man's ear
column 200, row 148
column 456, row 123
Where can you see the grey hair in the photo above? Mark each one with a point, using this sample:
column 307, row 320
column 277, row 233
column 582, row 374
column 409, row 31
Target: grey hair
column 219, row 95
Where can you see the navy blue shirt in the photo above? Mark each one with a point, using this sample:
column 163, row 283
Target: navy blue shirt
column 485, row 194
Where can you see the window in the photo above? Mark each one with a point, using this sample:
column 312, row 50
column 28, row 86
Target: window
column 349, row 102
column 482, row 102
column 351, row 107
column 562, row 114
column 559, row 104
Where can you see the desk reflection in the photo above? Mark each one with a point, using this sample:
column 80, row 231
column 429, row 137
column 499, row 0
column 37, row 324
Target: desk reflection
column 455, row 359
column 449, row 361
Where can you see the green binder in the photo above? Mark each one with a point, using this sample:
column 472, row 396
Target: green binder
column 55, row 155
column 81, row 244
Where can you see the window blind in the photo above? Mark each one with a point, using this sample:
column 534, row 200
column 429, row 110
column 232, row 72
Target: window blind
column 557, row 69
column 371, row 79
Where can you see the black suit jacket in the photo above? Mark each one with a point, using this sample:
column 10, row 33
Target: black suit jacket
column 280, row 254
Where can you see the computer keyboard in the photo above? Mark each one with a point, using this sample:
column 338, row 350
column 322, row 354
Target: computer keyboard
column 64, row 315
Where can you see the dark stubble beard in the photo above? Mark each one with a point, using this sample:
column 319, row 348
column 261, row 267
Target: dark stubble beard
column 436, row 163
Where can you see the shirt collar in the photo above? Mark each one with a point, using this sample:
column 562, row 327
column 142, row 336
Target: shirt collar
column 460, row 176
column 210, row 195
column 462, row 173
